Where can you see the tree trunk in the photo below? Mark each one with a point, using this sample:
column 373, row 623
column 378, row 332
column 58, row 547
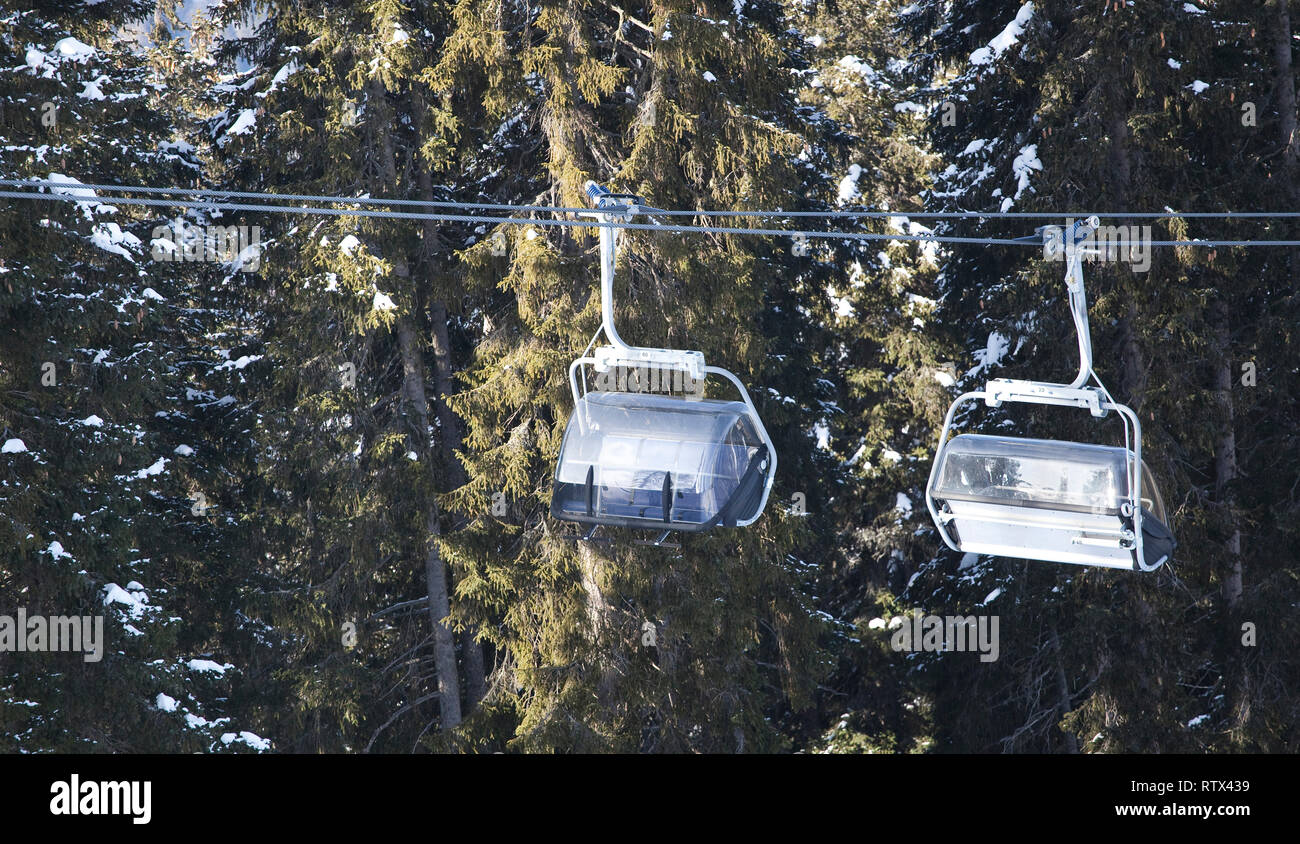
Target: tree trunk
column 1062, row 684
column 449, row 425
column 417, row 405
column 435, row 571
column 1225, row 451
column 1281, row 27
column 600, row 616
column 591, row 566
column 1286, row 109
column 1132, row 376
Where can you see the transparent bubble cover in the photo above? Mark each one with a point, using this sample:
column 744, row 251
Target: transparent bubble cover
column 637, row 458
column 1050, row 474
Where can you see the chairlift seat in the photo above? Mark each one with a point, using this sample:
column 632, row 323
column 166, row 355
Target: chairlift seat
column 1049, row 500
column 643, row 460
column 652, row 461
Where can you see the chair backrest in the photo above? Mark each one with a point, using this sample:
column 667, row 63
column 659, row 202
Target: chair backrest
column 1047, row 474
column 1049, row 500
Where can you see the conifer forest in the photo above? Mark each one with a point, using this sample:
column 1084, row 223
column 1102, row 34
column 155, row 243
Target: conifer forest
column 316, row 436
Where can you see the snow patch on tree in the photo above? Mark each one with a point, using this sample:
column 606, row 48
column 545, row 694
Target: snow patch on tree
column 243, row 125
column 848, row 188
column 208, row 665
column 111, row 238
column 1007, row 38
column 1024, row 164
column 156, row 468
column 991, row 355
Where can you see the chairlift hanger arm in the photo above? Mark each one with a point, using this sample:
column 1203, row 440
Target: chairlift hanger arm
column 614, row 208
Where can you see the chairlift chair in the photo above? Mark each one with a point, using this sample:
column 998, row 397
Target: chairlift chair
column 646, row 460
column 1051, row 500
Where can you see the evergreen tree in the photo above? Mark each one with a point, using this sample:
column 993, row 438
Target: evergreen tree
column 889, row 360
column 1059, row 107
column 358, row 323
column 620, row 647
column 308, row 484
column 108, row 375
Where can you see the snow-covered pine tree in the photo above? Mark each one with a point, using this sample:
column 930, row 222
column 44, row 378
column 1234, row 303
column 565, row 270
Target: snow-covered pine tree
column 107, row 375
column 1067, row 108
column 888, row 362
column 359, row 318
